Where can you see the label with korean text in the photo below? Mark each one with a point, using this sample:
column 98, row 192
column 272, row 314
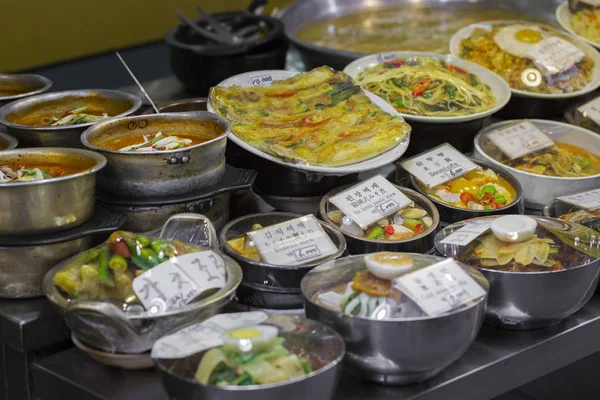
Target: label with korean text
column 438, row 165
column 178, row 281
column 370, row 201
column 294, row 242
column 467, row 233
column 592, row 110
column 520, row 139
column 441, row 287
column 261, row 80
column 384, row 57
column 555, row 55
column 587, row 200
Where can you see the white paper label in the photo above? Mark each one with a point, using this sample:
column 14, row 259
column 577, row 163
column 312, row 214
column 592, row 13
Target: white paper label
column 439, row 165
column 205, row 335
column 370, row 201
column 384, row 57
column 520, row 139
column 467, row 233
column 441, row 287
column 174, row 283
column 261, row 80
column 592, row 110
column 555, row 54
column 587, row 200
column 293, row 242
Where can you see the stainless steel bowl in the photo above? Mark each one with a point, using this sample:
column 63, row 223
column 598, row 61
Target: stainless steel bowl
column 361, row 245
column 394, row 351
column 304, row 12
column 450, row 214
column 186, row 105
column 281, row 282
column 7, row 142
column 27, row 84
column 308, row 336
column 533, row 300
column 116, row 104
column 108, row 328
column 159, row 173
column 539, row 190
column 49, row 205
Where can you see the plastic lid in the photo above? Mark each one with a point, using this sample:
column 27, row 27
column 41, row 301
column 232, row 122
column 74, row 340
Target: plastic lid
column 517, row 243
column 392, row 286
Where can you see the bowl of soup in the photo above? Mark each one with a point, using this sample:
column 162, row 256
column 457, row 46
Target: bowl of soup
column 160, row 154
column 18, row 86
column 57, row 119
column 7, row 142
column 570, row 165
column 45, row 190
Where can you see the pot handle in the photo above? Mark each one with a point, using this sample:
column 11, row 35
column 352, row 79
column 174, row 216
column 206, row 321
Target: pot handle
column 190, row 228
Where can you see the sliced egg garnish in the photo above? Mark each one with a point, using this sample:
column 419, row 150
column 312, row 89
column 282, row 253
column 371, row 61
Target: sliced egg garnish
column 251, row 339
column 518, row 39
column 388, row 265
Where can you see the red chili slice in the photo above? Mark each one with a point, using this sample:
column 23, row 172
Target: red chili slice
column 420, row 87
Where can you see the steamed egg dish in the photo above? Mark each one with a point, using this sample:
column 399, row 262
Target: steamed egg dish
column 511, row 50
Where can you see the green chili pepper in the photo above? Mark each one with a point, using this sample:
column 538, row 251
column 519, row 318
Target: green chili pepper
column 140, row 262
column 499, row 198
column 487, row 207
column 584, row 163
column 90, row 256
column 450, row 90
column 376, row 232
column 142, row 240
column 103, row 270
column 473, row 80
column 117, row 263
column 400, row 104
column 133, row 246
column 164, row 247
column 150, row 256
column 491, row 189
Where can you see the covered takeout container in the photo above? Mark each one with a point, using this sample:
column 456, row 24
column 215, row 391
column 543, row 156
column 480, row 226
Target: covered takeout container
column 112, row 318
column 539, row 190
column 401, row 346
column 537, row 282
column 266, row 285
column 178, row 362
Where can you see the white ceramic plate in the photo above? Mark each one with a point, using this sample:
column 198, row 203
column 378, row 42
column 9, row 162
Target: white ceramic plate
column 499, row 87
column 588, row 50
column 266, row 77
column 562, row 15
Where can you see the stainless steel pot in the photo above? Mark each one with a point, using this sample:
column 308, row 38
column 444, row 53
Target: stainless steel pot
column 108, row 328
column 361, row 245
column 159, row 173
column 450, row 214
column 49, row 205
column 304, row 12
column 279, row 285
column 27, row 84
column 397, row 350
column 533, row 300
column 7, row 142
column 116, row 104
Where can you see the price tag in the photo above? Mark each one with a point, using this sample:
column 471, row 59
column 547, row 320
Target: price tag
column 293, row 242
column 440, row 288
column 383, row 57
column 587, row 200
column 175, row 283
column 467, row 233
column 370, row 201
column 438, row 165
column 205, row 335
column 592, row 110
column 261, row 80
column 555, row 54
column 520, row 139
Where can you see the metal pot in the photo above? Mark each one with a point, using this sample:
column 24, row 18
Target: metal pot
column 450, row 214
column 28, row 84
column 7, row 142
column 186, row 105
column 51, row 204
column 394, row 350
column 307, row 337
column 152, row 212
column 116, row 104
column 110, row 329
column 25, row 261
column 533, row 300
column 159, row 173
column 539, row 190
column 361, row 245
column 279, row 285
